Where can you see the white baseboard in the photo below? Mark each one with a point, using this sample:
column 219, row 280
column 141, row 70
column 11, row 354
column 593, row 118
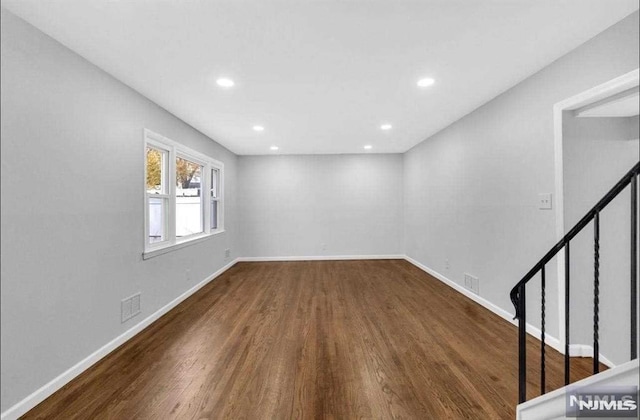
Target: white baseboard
column 48, row 389
column 45, row 391
column 575, row 350
column 585, row 350
column 580, row 350
column 323, row 258
column 508, row 316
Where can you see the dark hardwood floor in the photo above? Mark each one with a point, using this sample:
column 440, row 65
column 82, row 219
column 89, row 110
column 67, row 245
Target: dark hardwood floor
column 341, row 340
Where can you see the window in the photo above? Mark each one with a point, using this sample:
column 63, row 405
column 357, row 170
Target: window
column 189, row 214
column 157, row 194
column 215, row 196
column 183, row 195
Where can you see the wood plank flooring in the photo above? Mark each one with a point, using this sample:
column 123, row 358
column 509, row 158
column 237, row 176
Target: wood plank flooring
column 313, row 340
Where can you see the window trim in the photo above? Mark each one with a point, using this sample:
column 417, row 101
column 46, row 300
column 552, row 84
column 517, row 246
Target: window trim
column 175, row 150
column 204, row 165
column 164, row 195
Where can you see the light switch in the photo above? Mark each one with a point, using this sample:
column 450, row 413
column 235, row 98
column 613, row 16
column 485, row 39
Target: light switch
column 544, row 201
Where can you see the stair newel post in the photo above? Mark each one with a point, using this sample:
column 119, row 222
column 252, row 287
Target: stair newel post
column 634, row 267
column 596, row 292
column 522, row 343
column 567, row 362
column 542, row 331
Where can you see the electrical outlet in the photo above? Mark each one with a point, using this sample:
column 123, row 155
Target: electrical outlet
column 324, row 247
column 447, row 265
column 472, row 283
column 187, row 274
column 227, row 253
column 130, row 307
column 544, row 201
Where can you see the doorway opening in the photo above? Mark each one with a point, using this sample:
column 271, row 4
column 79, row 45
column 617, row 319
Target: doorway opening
column 596, row 143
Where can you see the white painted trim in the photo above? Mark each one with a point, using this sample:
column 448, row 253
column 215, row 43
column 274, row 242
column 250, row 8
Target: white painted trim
column 595, row 94
column 612, row 87
column 575, row 350
column 580, row 350
column 623, row 104
column 552, row 404
column 322, row 258
column 48, row 389
column 607, row 362
column 176, row 150
column 181, row 148
column 559, row 210
column 195, row 239
column 55, row 384
column 585, row 350
column 506, row 315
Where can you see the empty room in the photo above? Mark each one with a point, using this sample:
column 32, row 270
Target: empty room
column 331, row 209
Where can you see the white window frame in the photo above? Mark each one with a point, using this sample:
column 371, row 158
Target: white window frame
column 217, row 198
column 175, row 150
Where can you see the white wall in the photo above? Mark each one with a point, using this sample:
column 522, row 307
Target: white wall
column 471, row 190
column 72, row 251
column 597, row 152
column 321, row 205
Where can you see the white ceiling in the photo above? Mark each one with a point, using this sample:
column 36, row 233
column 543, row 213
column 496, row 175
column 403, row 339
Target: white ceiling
column 321, row 76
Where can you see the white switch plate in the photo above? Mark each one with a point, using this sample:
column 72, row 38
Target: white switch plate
column 544, row 201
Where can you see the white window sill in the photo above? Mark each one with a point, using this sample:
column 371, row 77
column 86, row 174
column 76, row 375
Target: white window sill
column 192, row 240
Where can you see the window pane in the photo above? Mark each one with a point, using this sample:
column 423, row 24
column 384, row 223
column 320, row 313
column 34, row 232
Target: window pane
column 214, row 215
column 215, row 181
column 189, row 210
column 155, row 171
column 187, row 175
column 157, row 219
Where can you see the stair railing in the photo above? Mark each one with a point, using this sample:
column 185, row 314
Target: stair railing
column 518, row 293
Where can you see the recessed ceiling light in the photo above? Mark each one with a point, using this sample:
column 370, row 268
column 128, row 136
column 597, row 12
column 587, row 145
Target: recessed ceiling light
column 274, row 148
column 224, row 82
column 368, row 147
column 258, row 128
column 386, row 127
column 426, row 82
